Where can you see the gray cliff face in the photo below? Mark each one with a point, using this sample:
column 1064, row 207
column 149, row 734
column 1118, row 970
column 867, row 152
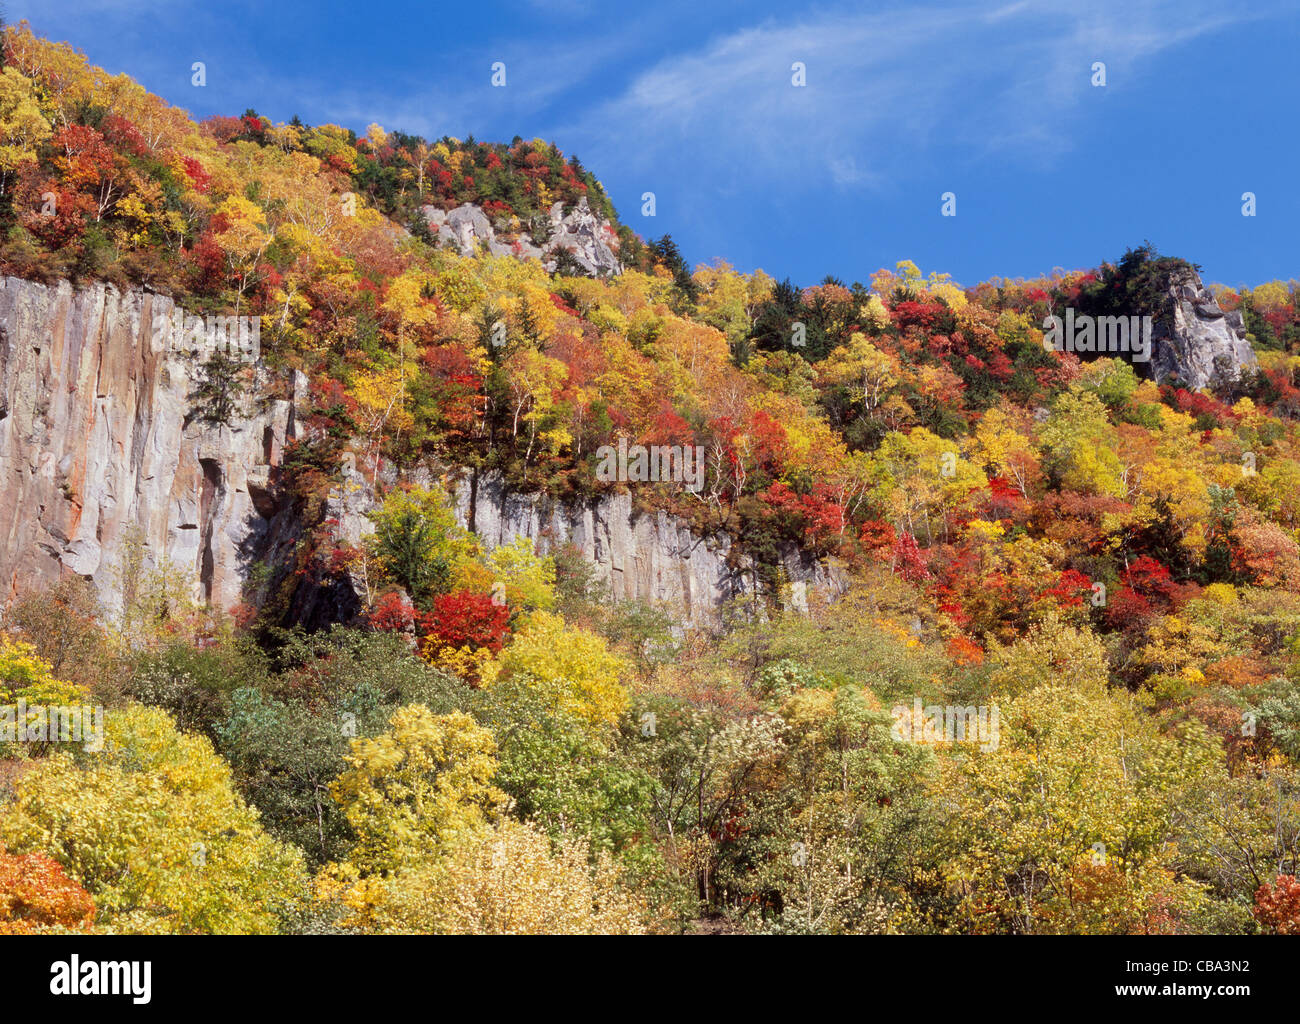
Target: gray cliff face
column 1198, row 343
column 100, row 450
column 651, row 557
column 586, row 237
column 102, row 453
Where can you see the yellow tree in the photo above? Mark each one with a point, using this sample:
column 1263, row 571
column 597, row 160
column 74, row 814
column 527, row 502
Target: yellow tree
column 697, row 360
column 534, row 378
column 1168, row 470
column 1080, row 445
column 729, row 301
column 26, row 676
column 865, row 372
column 1001, row 448
column 1061, row 823
column 22, row 125
column 416, row 788
column 381, row 397
column 244, row 240
column 406, row 304
column 507, row 880
column 527, row 578
column 154, row 830
column 66, row 78
column 332, row 143
column 919, row 476
column 573, row 668
column 293, row 186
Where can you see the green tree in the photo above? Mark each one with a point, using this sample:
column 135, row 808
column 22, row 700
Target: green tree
column 217, row 393
column 836, row 843
column 418, row 543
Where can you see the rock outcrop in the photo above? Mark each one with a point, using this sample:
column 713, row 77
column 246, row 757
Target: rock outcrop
column 105, row 461
column 638, row 556
column 102, row 455
column 587, row 238
column 652, row 557
column 1195, row 340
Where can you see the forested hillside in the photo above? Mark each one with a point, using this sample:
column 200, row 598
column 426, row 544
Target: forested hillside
column 1094, row 571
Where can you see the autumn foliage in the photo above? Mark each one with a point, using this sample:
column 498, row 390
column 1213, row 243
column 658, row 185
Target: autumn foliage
column 903, row 500
column 36, row 894
column 1277, row 905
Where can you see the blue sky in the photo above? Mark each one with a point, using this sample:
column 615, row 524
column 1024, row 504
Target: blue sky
column 903, row 102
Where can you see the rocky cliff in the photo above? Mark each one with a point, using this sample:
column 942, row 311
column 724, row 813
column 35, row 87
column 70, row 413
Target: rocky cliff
column 1195, row 340
column 637, row 556
column 651, row 557
column 103, row 454
column 103, row 457
column 587, row 238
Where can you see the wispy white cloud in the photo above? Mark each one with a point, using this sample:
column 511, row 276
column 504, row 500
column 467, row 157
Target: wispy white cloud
column 884, row 87
column 890, row 92
column 455, row 95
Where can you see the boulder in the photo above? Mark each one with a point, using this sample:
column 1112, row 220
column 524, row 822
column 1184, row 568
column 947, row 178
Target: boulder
column 1194, row 340
column 589, row 239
